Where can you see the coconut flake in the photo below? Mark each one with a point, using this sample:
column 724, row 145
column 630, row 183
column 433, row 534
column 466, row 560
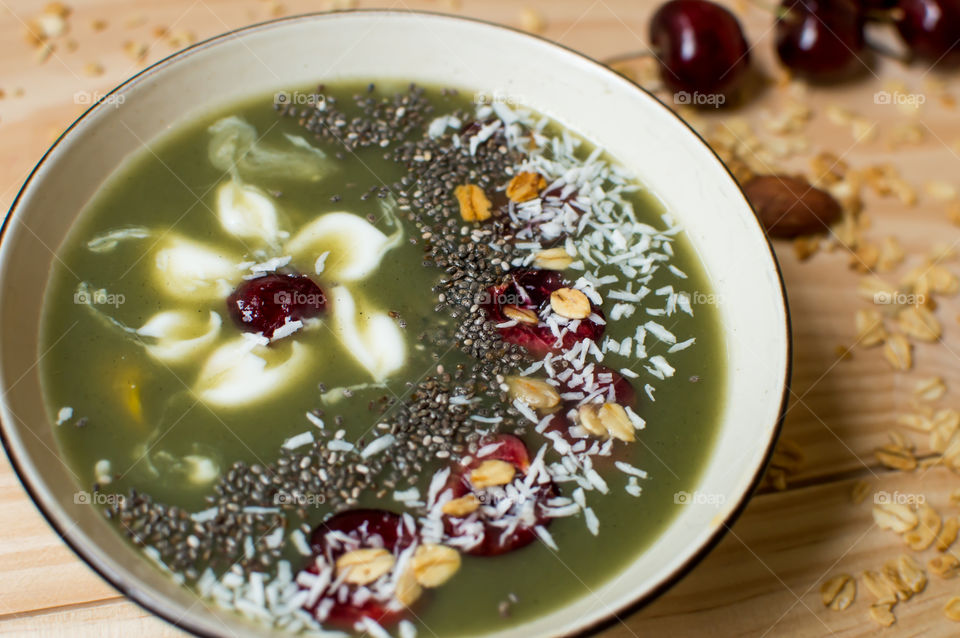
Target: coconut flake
column 377, row 445
column 64, row 415
column 294, row 442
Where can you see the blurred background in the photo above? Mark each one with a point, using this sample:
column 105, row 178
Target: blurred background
column 872, row 418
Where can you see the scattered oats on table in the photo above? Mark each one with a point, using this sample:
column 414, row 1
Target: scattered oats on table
column 838, row 592
column 948, row 534
column 929, row 389
column 897, row 352
column 952, row 609
column 870, row 329
column 928, row 527
column 882, row 614
column 894, row 516
column 532, row 20
column 859, row 492
column 896, row 457
column 945, row 566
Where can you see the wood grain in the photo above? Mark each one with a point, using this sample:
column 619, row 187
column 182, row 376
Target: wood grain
column 763, row 578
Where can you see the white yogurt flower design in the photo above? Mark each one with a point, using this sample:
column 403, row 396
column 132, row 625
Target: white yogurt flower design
column 337, row 249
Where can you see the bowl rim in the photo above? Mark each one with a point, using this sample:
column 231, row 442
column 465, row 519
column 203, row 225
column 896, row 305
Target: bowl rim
column 616, row 615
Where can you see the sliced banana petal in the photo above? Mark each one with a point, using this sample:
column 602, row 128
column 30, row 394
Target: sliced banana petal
column 355, row 245
column 236, row 149
column 200, row 469
column 231, row 138
column 372, row 337
column 243, row 371
column 188, row 269
column 105, row 242
column 178, row 334
column 247, row 213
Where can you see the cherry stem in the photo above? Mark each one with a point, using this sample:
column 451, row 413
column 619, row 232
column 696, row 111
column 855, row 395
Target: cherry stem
column 874, row 15
column 777, row 10
column 889, row 16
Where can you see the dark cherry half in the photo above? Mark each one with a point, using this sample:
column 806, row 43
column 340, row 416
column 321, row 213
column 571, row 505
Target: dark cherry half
column 700, row 46
column 616, row 389
column 362, row 524
column 821, row 39
column 530, row 290
column 265, row 303
column 494, row 543
column 931, row 29
column 604, row 379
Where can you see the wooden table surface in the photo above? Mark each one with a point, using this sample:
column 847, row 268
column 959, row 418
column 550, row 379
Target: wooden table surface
column 764, row 577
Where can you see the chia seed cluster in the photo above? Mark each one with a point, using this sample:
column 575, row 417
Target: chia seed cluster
column 251, row 502
column 380, row 121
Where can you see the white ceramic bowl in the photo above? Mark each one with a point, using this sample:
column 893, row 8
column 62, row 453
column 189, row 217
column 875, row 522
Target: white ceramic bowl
column 653, row 143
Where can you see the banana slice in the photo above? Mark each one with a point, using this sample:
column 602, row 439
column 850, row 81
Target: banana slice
column 245, row 371
column 355, row 246
column 247, row 213
column 192, row 270
column 372, row 337
column 178, row 334
column 235, row 148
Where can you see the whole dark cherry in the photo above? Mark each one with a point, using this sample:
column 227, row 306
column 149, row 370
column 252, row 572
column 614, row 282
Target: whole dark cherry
column 931, row 29
column 265, row 303
column 701, row 48
column 821, row 39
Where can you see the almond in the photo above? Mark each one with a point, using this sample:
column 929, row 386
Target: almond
column 492, row 472
column 570, row 303
column 615, row 420
column 536, row 393
column 408, row 589
column 433, row 565
column 790, row 206
column 590, row 420
column 521, row 315
column 363, row 566
column 553, row 259
column 460, row 507
column 606, row 420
